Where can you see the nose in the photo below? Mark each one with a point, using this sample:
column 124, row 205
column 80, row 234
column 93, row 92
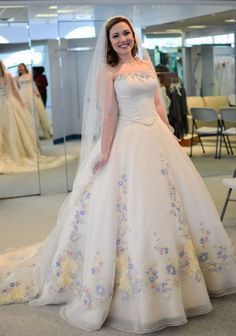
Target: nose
column 122, row 38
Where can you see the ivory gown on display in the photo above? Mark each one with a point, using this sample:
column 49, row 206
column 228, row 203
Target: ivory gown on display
column 32, row 101
column 138, row 244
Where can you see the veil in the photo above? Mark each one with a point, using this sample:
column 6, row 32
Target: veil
column 95, row 93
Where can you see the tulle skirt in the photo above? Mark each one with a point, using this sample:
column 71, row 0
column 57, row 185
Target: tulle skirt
column 139, row 244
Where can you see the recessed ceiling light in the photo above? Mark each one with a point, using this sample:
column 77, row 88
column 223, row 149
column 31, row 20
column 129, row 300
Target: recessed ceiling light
column 230, row 20
column 65, row 11
column 46, row 15
column 197, row 27
column 173, row 30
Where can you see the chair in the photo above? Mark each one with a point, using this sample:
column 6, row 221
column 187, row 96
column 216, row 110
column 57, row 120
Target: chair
column 231, row 184
column 228, row 118
column 232, row 99
column 205, row 115
column 216, row 102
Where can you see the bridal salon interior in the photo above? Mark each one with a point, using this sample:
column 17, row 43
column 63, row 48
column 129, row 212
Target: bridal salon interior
column 192, row 48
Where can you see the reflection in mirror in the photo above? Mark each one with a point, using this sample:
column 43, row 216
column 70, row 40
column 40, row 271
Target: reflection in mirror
column 18, row 144
column 76, row 54
column 46, row 76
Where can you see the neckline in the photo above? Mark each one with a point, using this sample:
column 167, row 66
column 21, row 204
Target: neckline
column 131, row 73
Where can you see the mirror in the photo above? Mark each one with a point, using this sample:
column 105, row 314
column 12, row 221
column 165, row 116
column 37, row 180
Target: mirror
column 19, row 173
column 45, row 63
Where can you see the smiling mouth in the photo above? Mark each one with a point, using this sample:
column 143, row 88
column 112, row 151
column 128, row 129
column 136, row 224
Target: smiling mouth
column 124, row 45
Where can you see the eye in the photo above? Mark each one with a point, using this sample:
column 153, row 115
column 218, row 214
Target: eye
column 115, row 36
column 127, row 32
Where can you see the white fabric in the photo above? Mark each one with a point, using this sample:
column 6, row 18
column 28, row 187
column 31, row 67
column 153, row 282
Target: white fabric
column 19, row 151
column 139, row 243
column 17, row 140
column 33, row 102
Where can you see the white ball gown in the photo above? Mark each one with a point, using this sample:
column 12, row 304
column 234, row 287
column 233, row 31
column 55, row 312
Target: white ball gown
column 139, row 244
column 19, row 149
column 33, row 101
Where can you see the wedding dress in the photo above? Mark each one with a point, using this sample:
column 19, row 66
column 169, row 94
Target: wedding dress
column 138, row 244
column 33, row 101
column 19, row 150
column 17, row 140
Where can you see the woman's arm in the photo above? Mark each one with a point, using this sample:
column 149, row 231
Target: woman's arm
column 109, row 109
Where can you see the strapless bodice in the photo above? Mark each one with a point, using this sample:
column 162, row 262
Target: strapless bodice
column 135, row 96
column 24, row 82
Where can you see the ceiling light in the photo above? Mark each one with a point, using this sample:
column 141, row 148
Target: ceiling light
column 53, row 7
column 197, row 27
column 230, row 20
column 46, row 15
column 173, row 30
column 65, row 11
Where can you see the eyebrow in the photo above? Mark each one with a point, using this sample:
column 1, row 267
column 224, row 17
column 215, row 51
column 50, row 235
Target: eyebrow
column 123, row 31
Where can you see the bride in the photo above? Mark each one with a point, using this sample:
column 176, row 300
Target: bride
column 138, row 243
column 17, row 140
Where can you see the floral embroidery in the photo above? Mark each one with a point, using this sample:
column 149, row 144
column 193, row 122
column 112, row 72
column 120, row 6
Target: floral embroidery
column 176, row 205
column 187, row 257
column 213, row 258
column 65, row 268
column 22, row 289
column 126, row 280
column 98, row 296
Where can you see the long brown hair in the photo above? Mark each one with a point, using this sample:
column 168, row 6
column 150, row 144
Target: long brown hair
column 25, row 68
column 112, row 57
column 2, row 69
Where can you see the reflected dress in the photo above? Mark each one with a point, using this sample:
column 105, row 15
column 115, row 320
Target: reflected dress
column 142, row 233
column 33, row 101
column 17, row 140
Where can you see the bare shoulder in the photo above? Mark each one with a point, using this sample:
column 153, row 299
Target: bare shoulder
column 147, row 63
column 112, row 71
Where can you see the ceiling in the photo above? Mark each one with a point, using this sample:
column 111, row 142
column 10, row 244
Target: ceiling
column 163, row 15
column 213, row 21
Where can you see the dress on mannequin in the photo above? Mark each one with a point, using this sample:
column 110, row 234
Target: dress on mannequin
column 148, row 247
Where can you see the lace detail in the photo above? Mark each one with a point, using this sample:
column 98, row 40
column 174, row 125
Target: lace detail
column 139, row 75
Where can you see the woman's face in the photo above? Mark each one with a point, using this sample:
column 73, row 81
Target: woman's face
column 122, row 39
column 21, row 69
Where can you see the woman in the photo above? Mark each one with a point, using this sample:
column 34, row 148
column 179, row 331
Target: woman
column 130, row 247
column 32, row 100
column 17, row 140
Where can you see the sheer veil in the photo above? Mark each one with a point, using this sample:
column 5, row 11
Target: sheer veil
column 95, row 94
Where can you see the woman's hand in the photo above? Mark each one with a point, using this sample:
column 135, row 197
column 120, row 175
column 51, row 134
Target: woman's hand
column 100, row 161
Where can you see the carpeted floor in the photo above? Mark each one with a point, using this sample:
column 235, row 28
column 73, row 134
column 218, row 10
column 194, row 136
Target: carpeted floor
column 27, row 220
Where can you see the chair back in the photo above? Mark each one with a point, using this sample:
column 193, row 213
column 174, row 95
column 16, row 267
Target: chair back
column 216, row 102
column 228, row 114
column 194, row 101
column 204, row 114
